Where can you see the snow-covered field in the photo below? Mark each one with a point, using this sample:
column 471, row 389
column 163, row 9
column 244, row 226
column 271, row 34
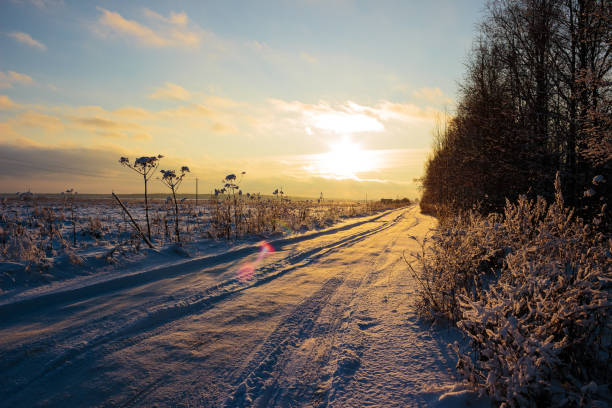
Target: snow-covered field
column 321, row 318
column 49, row 239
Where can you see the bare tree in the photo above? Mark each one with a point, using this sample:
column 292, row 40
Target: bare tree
column 536, row 99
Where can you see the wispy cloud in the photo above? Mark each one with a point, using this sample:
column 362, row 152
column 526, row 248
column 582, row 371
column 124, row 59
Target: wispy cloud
column 163, row 32
column 141, row 136
column 7, row 103
column 179, row 19
column 219, row 127
column 405, row 112
column 32, row 119
column 8, row 133
column 25, row 38
column 171, row 91
column 351, row 117
column 8, row 79
column 308, row 58
column 101, row 123
column 433, row 95
column 340, row 119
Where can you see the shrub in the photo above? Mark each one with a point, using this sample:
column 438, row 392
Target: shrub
column 532, row 292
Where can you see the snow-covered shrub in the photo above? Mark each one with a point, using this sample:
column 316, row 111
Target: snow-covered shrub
column 539, row 325
column 457, row 260
column 22, row 245
column 94, row 227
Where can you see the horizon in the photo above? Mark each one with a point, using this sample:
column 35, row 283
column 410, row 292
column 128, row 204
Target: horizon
column 202, row 195
column 222, row 91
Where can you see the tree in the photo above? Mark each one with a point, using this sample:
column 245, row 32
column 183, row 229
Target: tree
column 536, row 99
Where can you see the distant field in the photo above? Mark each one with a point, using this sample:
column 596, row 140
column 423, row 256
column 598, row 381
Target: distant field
column 49, row 237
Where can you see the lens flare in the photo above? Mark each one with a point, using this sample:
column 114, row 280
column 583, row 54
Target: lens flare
column 247, row 270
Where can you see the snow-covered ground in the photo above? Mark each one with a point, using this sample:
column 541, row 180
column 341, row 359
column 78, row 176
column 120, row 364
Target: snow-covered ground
column 43, row 241
column 317, row 319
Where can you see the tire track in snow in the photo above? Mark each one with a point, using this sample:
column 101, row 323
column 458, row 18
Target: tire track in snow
column 300, row 323
column 14, row 357
column 258, row 383
column 132, row 333
column 10, row 309
column 311, row 303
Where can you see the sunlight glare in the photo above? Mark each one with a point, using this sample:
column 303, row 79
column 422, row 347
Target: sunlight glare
column 344, row 161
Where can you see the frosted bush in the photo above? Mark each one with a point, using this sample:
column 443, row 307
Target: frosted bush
column 532, row 292
column 22, row 245
column 457, row 260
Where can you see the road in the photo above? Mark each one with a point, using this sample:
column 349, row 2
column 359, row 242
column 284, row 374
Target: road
column 324, row 320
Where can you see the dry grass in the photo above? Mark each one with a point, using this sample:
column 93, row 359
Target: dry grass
column 531, row 289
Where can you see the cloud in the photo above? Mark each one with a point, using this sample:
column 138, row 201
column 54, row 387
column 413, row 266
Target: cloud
column 219, row 127
column 112, row 135
column 7, row 132
column 48, row 169
column 188, row 111
column 96, row 122
column 7, row 103
column 32, row 161
column 222, row 103
column 308, row 58
column 39, row 120
column 99, row 123
column 247, row 132
column 179, row 19
column 171, row 91
column 25, row 38
column 95, row 169
column 351, row 117
column 165, row 32
column 433, row 95
column 142, row 136
column 344, row 122
column 119, row 25
column 135, row 113
column 110, row 128
column 122, row 135
column 406, row 112
column 8, row 79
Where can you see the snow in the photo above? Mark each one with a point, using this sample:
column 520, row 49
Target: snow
column 326, row 318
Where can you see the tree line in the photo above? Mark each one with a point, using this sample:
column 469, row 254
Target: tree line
column 536, row 99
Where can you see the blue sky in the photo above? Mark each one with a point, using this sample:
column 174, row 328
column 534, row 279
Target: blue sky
column 279, row 89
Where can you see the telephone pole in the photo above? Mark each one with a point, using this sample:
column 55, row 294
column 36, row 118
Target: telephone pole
column 196, row 203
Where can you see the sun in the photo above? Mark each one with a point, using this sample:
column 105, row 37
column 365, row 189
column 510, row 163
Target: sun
column 345, row 160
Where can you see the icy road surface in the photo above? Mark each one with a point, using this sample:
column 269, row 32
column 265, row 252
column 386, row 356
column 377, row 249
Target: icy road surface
column 325, row 320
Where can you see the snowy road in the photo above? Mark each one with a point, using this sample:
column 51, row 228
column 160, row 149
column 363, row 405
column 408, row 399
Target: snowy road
column 326, row 320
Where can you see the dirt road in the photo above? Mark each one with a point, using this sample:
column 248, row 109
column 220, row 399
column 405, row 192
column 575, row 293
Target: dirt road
column 324, row 320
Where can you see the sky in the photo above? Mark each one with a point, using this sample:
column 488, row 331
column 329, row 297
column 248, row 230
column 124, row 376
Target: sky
column 311, row 96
